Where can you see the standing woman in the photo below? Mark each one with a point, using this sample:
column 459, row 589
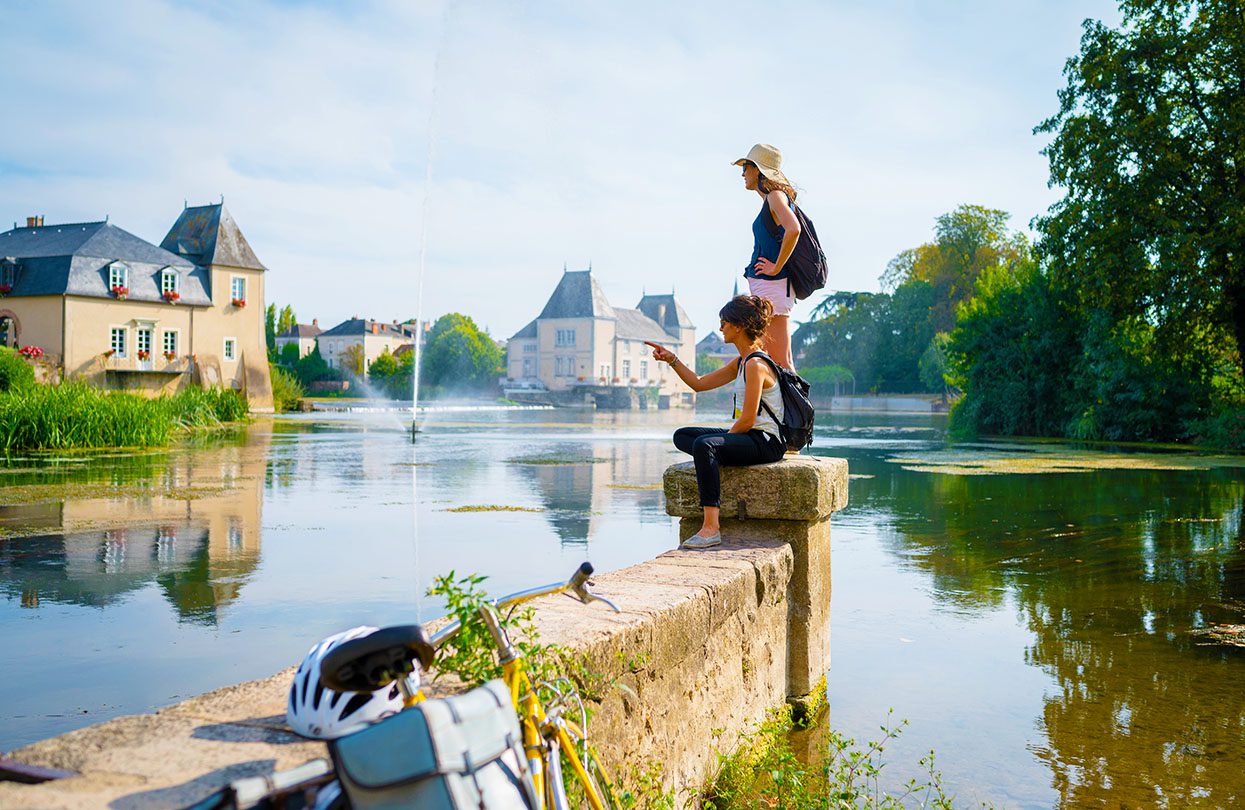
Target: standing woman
column 755, row 437
column 767, row 271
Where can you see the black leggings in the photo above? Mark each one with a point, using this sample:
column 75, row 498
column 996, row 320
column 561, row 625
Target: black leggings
column 710, row 447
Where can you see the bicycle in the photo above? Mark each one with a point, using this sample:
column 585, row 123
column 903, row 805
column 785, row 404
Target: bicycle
column 389, row 655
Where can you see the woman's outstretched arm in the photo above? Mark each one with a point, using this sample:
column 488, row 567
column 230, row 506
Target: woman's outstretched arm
column 712, row 380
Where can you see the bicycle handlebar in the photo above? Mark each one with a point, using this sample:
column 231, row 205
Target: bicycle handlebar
column 577, row 584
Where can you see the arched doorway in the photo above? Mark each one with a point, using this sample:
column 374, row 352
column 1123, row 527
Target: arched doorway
column 10, row 328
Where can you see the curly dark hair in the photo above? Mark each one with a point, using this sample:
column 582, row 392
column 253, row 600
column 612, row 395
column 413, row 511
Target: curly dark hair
column 751, row 313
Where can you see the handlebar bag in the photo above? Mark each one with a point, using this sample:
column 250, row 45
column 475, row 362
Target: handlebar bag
column 458, row 753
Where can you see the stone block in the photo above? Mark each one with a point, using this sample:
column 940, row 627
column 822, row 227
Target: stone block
column 796, row 488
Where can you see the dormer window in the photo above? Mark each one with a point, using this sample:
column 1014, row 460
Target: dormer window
column 118, row 276
column 170, row 282
column 8, row 273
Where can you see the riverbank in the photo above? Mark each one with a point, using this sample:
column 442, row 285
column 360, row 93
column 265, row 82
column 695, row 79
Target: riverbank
column 74, row 416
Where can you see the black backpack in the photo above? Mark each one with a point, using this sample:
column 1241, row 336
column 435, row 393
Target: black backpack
column 806, row 267
column 796, row 424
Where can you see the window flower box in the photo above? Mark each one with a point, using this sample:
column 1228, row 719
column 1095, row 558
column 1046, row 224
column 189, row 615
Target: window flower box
column 170, row 356
column 172, row 296
column 5, row 289
column 237, row 302
column 143, row 354
column 120, row 293
column 634, row 380
column 581, row 379
column 30, row 352
column 617, row 379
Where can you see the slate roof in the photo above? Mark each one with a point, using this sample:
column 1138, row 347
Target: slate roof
column 206, row 235
column 73, row 259
column 577, row 296
column 633, row 324
column 301, row 330
column 674, row 316
column 528, row 331
column 713, row 343
column 363, row 326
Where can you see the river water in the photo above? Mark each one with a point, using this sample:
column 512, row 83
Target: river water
column 1029, row 609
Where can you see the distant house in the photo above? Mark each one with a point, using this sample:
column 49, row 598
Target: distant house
column 302, row 334
column 713, row 345
column 373, row 336
column 580, row 339
column 109, row 306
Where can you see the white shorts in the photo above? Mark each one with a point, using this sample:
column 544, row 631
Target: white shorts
column 775, row 291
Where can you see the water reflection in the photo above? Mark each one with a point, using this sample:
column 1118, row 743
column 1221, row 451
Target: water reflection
column 1108, row 572
column 192, row 527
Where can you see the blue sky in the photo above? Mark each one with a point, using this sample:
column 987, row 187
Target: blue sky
column 560, row 132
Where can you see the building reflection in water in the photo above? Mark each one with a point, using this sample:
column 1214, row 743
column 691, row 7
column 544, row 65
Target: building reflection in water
column 579, row 486
column 196, row 537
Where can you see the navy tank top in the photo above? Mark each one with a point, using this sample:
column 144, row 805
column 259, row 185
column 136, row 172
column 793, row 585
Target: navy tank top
column 765, row 243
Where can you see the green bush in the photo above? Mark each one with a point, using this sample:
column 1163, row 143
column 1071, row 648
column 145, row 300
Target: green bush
column 15, row 373
column 1224, row 430
column 286, row 389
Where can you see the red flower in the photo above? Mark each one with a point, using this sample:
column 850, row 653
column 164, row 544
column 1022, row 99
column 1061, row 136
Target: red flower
column 5, row 289
column 143, row 354
column 120, row 292
column 172, row 296
column 238, row 302
column 30, row 351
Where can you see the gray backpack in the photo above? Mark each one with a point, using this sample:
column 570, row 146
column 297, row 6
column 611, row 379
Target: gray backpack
column 459, row 753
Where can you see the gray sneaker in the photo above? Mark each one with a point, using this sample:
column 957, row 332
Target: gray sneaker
column 697, row 541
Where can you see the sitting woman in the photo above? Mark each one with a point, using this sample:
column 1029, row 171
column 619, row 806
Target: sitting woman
column 755, row 437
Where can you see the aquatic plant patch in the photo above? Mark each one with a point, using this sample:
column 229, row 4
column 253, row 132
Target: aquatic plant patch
column 1046, row 460
column 493, row 508
column 557, row 461
column 642, row 487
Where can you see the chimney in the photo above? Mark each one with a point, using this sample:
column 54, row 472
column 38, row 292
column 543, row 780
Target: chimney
column 315, row 321
column 34, row 222
column 375, row 328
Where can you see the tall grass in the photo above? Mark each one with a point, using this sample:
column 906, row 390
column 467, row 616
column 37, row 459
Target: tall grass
column 74, row 415
column 286, row 389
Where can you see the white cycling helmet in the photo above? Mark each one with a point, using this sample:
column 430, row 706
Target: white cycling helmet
column 316, row 711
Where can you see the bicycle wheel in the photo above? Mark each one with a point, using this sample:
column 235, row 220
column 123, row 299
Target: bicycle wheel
column 571, row 788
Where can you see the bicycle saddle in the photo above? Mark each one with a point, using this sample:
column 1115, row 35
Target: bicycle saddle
column 377, row 660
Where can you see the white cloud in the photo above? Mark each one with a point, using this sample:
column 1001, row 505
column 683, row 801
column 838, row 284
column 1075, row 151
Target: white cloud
column 564, row 132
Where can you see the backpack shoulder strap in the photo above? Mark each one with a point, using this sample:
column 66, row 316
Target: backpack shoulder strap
column 777, row 381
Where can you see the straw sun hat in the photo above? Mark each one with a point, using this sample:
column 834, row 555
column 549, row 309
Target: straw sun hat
column 768, row 160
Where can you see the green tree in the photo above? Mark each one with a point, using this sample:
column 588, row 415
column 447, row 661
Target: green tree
column 287, row 320
column 289, row 355
column 313, row 368
column 459, row 355
column 933, row 364
column 354, row 360
column 270, row 327
column 966, row 242
column 1149, row 142
column 706, row 363
column 383, row 367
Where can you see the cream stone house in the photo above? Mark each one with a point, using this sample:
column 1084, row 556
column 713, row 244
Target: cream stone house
column 109, row 307
column 373, row 336
column 579, row 339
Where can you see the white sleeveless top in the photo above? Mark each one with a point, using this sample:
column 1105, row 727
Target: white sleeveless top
column 771, row 396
